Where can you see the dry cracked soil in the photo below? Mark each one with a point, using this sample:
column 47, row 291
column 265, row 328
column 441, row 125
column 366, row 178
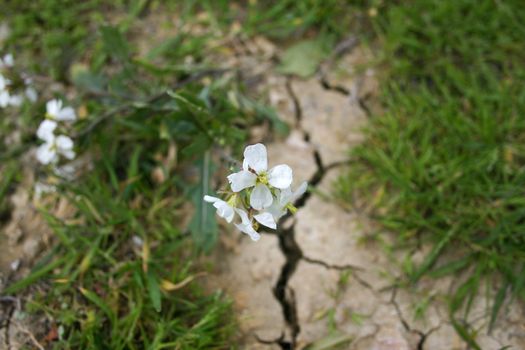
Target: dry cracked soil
column 321, row 281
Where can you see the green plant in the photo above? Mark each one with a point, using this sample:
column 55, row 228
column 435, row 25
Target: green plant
column 445, row 162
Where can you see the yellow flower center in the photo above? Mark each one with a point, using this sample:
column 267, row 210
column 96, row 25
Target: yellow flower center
column 262, row 178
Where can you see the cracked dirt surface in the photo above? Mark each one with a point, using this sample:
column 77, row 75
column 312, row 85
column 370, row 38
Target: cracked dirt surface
column 322, row 272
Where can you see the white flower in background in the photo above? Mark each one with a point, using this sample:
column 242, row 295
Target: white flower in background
column 270, row 198
column 30, row 91
column 31, row 94
column 46, row 130
column 54, row 146
column 56, row 112
column 255, row 174
column 42, row 188
column 4, row 82
column 7, row 61
column 16, row 100
column 7, row 97
column 50, row 151
column 4, row 98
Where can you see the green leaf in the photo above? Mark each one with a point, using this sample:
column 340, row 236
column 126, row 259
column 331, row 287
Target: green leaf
column 35, row 275
column 115, row 45
column 465, row 334
column 265, row 112
column 498, row 301
column 331, row 341
column 431, row 258
column 303, row 58
column 154, row 291
column 86, row 80
column 203, row 225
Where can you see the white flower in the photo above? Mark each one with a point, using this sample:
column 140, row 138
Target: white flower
column 49, row 151
column 4, row 82
column 15, row 100
column 46, row 130
column 246, row 225
column 7, row 61
column 42, row 188
column 4, row 98
column 56, row 112
column 31, row 94
column 224, row 210
column 255, row 173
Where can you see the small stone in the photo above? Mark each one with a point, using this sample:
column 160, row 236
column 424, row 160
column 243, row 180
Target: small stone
column 30, row 247
column 15, row 264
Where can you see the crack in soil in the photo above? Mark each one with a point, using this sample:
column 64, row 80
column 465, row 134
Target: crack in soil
column 292, row 252
column 422, row 335
column 344, row 47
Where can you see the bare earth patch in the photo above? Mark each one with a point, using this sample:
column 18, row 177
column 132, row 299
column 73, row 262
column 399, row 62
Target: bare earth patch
column 326, row 275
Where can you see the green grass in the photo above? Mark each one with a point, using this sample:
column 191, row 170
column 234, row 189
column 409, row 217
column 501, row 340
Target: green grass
column 106, row 291
column 444, row 162
column 97, row 288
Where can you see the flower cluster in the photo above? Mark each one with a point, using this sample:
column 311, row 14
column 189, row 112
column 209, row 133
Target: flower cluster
column 55, row 146
column 257, row 195
column 8, row 85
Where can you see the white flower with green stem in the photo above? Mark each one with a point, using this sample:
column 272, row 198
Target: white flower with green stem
column 257, row 195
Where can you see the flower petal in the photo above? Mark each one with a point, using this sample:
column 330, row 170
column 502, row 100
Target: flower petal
column 256, row 158
column 46, row 154
column 280, row 176
column 4, row 98
column 241, row 180
column 266, row 219
column 69, row 154
column 299, row 191
column 66, row 114
column 64, row 143
column 248, row 229
column 9, row 61
column 3, row 82
column 53, row 107
column 261, row 197
column 46, row 129
column 224, row 210
column 15, row 100
column 31, row 94
column 211, row 199
column 243, row 215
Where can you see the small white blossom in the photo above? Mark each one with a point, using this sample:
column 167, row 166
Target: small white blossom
column 46, row 130
column 55, row 111
column 7, row 61
column 258, row 196
column 50, row 151
column 4, row 82
column 16, row 100
column 255, row 174
column 4, row 98
column 31, row 94
column 137, row 241
column 42, row 188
